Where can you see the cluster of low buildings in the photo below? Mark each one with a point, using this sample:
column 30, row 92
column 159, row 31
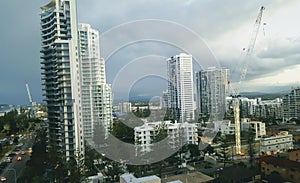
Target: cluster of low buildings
column 268, row 144
column 7, row 108
column 285, row 108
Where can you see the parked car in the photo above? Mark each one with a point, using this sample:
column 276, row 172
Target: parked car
column 3, row 179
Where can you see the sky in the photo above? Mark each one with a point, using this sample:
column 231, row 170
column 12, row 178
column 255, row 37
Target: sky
column 138, row 35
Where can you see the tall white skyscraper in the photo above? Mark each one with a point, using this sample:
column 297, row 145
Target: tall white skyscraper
column 96, row 93
column 212, row 90
column 61, row 77
column 180, row 87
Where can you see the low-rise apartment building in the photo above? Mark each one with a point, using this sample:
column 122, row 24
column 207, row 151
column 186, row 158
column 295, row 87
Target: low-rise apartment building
column 276, row 144
column 145, row 134
column 129, row 178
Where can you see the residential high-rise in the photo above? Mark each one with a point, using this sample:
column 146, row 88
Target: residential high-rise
column 96, row 93
column 61, row 77
column 212, row 90
column 291, row 104
column 181, row 87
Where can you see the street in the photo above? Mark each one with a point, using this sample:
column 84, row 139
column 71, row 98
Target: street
column 15, row 168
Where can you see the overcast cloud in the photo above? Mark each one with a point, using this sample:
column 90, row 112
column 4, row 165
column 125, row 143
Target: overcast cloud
column 224, row 26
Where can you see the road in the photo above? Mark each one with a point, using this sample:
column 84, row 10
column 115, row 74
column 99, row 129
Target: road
column 15, row 168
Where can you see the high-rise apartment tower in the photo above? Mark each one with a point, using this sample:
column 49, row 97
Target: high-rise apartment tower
column 180, row 87
column 61, row 77
column 212, row 90
column 96, row 93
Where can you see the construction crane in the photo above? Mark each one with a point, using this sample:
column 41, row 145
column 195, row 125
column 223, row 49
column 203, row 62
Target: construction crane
column 33, row 106
column 28, row 92
column 236, row 92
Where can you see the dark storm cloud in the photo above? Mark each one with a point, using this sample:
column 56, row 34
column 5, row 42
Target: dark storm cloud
column 19, row 50
column 20, row 34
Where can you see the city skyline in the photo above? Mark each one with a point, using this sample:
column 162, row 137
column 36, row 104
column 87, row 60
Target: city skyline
column 226, row 33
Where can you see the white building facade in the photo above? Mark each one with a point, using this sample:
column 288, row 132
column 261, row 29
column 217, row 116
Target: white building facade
column 96, row 93
column 130, row 178
column 276, row 144
column 181, row 87
column 61, row 77
column 125, row 107
column 145, row 134
column 258, row 128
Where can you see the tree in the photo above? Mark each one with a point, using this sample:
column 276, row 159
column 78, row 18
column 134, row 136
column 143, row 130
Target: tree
column 160, row 133
column 224, row 149
column 123, row 132
column 194, row 150
column 74, row 167
column 209, row 149
column 275, row 177
column 250, row 139
column 90, row 156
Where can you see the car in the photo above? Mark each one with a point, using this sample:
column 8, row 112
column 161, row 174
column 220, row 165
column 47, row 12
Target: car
column 22, row 152
column 7, row 160
column 178, row 172
column 207, row 166
column 3, row 179
column 10, row 156
column 19, row 158
column 3, row 165
column 20, row 145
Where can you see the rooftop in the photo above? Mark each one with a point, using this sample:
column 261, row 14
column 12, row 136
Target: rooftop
column 132, row 179
column 195, row 177
column 281, row 162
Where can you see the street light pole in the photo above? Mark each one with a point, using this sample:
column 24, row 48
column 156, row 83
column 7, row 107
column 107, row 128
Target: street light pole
column 15, row 172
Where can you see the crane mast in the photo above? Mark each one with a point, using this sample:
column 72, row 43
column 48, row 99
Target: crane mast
column 235, row 102
column 28, row 92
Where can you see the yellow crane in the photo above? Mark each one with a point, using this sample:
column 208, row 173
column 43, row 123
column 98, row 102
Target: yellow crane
column 236, row 94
